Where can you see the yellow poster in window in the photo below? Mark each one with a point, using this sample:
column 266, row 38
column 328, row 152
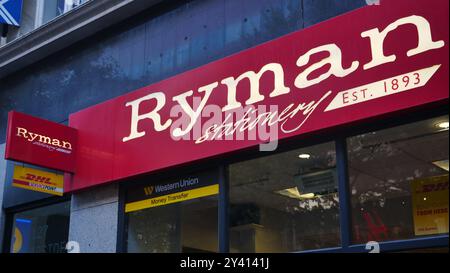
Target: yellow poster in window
column 430, row 205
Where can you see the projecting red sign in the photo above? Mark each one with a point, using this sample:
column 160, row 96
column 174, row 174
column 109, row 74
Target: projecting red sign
column 40, row 142
column 376, row 60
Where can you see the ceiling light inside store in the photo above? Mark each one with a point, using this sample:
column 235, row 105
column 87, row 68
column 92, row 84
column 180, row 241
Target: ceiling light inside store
column 443, row 164
column 304, row 156
column 295, row 194
column 442, row 125
column 307, row 195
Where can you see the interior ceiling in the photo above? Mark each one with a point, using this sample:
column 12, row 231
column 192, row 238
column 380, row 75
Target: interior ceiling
column 387, row 161
column 381, row 162
column 256, row 181
column 62, row 208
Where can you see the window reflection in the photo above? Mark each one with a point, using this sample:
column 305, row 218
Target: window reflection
column 41, row 230
column 399, row 181
column 174, row 215
column 285, row 202
column 54, row 8
column 189, row 226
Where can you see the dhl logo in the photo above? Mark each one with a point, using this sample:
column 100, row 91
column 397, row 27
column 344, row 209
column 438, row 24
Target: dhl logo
column 442, row 186
column 148, row 190
column 38, row 178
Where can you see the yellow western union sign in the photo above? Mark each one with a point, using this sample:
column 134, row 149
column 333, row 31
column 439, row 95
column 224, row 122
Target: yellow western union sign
column 172, row 198
column 37, row 180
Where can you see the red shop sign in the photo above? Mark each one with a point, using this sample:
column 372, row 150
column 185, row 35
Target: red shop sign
column 40, row 142
column 372, row 61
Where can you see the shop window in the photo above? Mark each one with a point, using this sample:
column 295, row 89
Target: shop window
column 399, row 181
column 285, row 202
column 41, row 230
column 50, row 9
column 38, row 12
column 178, row 215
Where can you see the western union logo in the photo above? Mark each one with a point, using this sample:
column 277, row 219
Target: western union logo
column 172, row 198
column 148, row 190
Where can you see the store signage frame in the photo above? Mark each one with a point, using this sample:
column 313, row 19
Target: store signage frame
column 370, row 62
column 41, row 142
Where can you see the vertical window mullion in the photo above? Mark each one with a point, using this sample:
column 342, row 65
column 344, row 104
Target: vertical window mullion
column 223, row 221
column 39, row 18
column 7, row 232
column 121, row 222
column 344, row 193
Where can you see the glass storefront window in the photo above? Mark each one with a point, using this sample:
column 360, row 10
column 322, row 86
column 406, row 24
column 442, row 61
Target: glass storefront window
column 41, row 230
column 157, row 224
column 54, row 8
column 399, row 181
column 285, row 202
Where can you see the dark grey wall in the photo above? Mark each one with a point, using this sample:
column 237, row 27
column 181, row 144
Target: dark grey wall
column 159, row 43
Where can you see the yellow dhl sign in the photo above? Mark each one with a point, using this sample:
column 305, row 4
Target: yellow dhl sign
column 37, row 180
column 430, row 205
column 172, row 198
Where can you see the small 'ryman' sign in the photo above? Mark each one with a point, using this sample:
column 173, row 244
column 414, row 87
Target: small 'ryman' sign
column 40, row 142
